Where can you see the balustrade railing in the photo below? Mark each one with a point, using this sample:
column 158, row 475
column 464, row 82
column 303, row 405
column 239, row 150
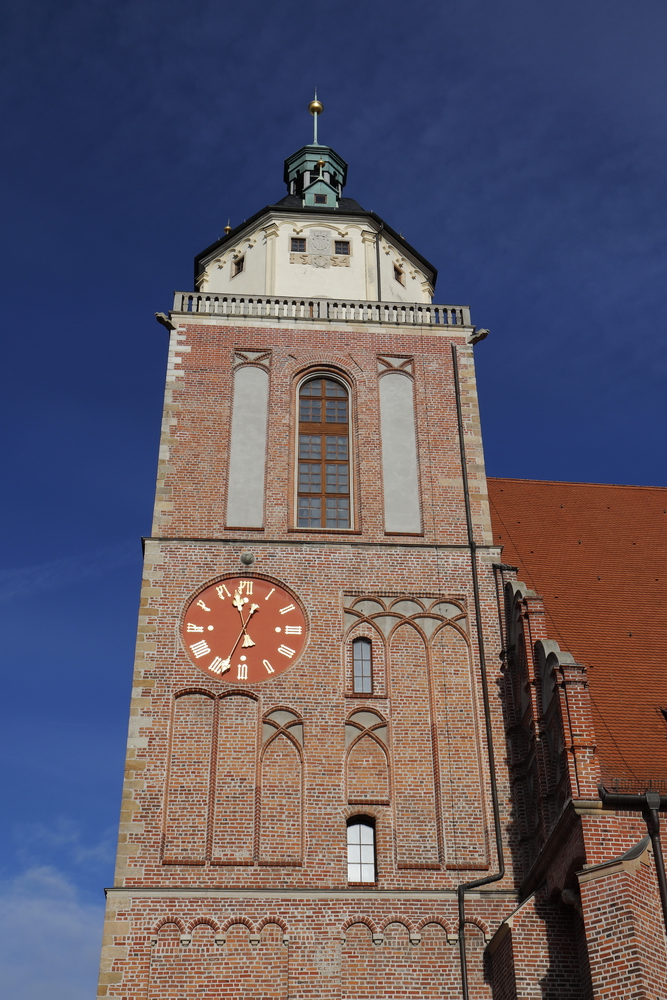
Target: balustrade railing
column 408, row 313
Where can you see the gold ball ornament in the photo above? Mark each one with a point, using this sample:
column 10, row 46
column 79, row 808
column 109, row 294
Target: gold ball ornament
column 316, row 107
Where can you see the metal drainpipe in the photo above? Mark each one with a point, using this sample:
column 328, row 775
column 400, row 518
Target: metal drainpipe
column 377, row 261
column 650, row 804
column 476, row 883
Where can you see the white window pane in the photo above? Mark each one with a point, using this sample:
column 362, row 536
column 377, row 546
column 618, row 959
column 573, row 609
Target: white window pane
column 360, row 853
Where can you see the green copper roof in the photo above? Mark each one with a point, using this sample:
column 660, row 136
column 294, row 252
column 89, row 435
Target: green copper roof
column 316, row 174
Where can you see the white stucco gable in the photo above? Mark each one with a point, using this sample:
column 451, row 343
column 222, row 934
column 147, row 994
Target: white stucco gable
column 322, row 254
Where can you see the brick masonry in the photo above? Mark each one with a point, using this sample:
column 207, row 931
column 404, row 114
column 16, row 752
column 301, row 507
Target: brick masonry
column 231, row 877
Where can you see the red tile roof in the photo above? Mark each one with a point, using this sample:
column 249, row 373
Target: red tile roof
column 597, row 554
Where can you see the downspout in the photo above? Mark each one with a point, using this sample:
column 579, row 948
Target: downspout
column 377, row 261
column 476, row 883
column 650, row 804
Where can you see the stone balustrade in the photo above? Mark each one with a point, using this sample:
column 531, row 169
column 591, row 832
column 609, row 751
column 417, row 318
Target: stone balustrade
column 287, row 307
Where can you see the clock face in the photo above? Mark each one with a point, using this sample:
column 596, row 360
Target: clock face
column 244, row 630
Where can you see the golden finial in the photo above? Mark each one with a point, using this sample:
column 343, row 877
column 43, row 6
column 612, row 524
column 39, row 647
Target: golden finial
column 228, row 228
column 316, row 108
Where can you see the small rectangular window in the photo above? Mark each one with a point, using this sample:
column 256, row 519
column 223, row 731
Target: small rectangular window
column 343, row 247
column 361, row 865
column 363, row 666
column 298, row 246
column 239, row 265
column 320, row 199
column 398, row 274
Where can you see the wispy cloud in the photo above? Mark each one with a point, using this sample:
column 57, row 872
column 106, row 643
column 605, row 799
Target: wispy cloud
column 64, row 841
column 49, row 938
column 25, row 580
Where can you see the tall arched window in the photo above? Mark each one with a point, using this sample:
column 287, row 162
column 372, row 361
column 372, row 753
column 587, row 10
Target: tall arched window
column 361, row 864
column 363, row 666
column 323, row 487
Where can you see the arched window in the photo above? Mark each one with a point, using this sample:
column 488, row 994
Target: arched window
column 363, row 666
column 361, row 866
column 323, row 482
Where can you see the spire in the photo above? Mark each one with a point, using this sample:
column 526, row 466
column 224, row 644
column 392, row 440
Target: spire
column 316, row 173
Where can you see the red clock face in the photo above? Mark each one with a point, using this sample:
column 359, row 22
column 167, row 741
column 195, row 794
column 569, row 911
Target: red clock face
column 244, row 630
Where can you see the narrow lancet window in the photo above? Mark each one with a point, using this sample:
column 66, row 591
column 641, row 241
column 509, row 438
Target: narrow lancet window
column 323, row 481
column 361, row 865
column 363, row 666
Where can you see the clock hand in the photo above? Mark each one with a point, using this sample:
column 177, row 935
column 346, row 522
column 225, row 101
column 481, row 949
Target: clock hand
column 247, row 641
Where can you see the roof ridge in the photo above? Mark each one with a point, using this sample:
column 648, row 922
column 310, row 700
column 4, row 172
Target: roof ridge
column 571, row 482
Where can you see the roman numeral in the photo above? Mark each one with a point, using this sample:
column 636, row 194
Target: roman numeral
column 195, row 628
column 290, row 607
column 269, row 668
column 286, row 651
column 293, row 630
column 242, row 672
column 218, row 665
column 200, row 604
column 245, row 585
column 220, row 592
column 200, row 648
column 272, row 591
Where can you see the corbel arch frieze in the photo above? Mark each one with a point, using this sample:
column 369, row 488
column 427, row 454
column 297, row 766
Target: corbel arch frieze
column 482, row 925
column 204, row 920
column 432, row 918
column 376, row 935
column 167, row 919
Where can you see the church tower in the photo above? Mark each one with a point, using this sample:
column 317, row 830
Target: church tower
column 311, row 801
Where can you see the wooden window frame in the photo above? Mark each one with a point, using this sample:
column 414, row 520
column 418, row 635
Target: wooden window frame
column 300, row 239
column 342, row 253
column 320, row 199
column 399, row 275
column 334, row 431
column 238, row 266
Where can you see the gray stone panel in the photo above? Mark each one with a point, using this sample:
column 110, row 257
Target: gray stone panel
column 247, row 453
column 399, row 454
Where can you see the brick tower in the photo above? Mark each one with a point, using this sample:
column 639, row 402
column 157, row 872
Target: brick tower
column 308, row 777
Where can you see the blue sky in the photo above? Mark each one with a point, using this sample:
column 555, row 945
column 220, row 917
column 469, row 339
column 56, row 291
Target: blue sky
column 517, row 144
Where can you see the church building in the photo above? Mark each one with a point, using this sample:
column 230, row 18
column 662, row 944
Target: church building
column 362, row 763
